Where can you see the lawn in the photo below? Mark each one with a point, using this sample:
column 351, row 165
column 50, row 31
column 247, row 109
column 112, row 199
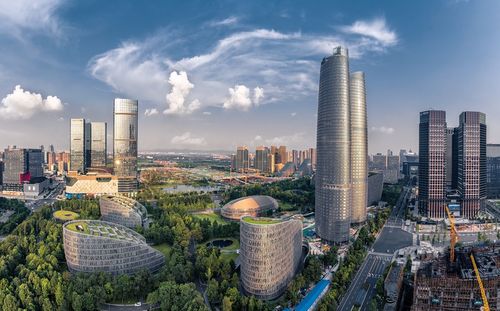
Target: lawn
column 65, row 215
column 260, row 220
column 229, row 256
column 212, row 217
column 82, row 225
column 164, row 248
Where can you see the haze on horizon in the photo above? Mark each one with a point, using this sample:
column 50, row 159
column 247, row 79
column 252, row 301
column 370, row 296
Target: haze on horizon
column 214, row 75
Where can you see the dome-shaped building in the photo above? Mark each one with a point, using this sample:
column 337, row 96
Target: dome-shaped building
column 101, row 246
column 255, row 205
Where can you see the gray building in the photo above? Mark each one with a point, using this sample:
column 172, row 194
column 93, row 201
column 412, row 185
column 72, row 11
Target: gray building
column 20, row 167
column 125, row 127
column 77, row 145
column 100, row 246
column 375, row 187
column 392, row 172
column 261, row 159
column 493, row 170
column 242, row 161
column 270, row 255
column 359, row 147
column 333, row 171
column 472, row 162
column 123, row 210
column 97, row 144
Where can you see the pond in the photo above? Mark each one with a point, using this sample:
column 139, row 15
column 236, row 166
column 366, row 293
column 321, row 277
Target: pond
column 219, row 243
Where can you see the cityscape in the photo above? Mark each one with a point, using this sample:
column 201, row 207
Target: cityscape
column 227, row 156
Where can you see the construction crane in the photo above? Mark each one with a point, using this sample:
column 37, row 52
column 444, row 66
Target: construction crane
column 453, row 242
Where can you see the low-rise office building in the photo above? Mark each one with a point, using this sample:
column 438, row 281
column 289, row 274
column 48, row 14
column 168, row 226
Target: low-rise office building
column 270, row 254
column 123, row 210
column 92, row 184
column 100, row 246
column 255, row 205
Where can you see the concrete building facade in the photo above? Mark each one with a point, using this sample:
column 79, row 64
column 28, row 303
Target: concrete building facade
column 123, row 210
column 270, row 254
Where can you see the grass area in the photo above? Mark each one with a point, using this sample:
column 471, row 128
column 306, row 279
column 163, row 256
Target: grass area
column 83, row 225
column 229, row 256
column 164, row 248
column 212, row 217
column 260, row 221
column 65, row 215
column 284, row 206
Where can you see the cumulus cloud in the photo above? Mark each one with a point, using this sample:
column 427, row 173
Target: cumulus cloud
column 150, row 112
column 239, row 97
column 21, row 104
column 207, row 113
column 286, row 140
column 293, row 114
column 285, row 65
column 181, row 87
column 382, row 129
column 187, row 140
column 40, row 15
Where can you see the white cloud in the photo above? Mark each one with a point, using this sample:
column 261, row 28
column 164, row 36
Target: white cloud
column 258, row 137
column 181, row 87
column 187, row 140
column 293, row 114
column 21, row 104
column 382, row 129
column 286, row 140
column 232, row 20
column 207, row 113
column 376, row 29
column 19, row 15
column 285, row 65
column 150, row 112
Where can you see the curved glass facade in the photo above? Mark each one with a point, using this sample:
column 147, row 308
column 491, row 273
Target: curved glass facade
column 125, row 143
column 333, row 169
column 359, row 147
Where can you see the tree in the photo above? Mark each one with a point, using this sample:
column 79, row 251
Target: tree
column 227, row 304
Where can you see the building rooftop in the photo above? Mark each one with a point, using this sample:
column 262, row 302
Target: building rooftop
column 312, row 296
column 250, row 203
column 104, row 229
column 127, row 202
column 261, row 220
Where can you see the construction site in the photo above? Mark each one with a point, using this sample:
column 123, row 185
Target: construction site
column 444, row 285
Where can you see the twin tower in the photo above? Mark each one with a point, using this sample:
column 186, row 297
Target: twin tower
column 342, row 149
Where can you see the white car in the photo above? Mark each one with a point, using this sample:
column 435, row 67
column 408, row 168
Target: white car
column 138, row 304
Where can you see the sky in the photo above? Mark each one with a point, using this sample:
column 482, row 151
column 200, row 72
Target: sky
column 212, row 75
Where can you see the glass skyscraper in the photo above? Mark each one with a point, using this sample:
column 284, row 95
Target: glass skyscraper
column 333, row 169
column 125, row 126
column 98, row 144
column 359, row 147
column 77, row 145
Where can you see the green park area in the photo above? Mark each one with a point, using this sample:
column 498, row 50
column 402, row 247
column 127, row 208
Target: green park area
column 164, row 248
column 260, row 221
column 78, row 226
column 211, row 217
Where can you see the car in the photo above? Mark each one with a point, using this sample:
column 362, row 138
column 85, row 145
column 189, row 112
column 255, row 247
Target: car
column 138, row 304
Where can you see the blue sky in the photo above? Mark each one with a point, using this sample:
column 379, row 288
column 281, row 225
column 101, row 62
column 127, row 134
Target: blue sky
column 216, row 74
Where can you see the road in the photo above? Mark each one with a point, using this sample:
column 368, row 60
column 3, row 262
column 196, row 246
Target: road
column 392, row 237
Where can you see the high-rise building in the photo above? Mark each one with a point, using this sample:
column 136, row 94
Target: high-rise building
column 62, row 160
column 97, row 144
column 449, row 157
column 20, row 167
column 77, row 145
column 493, row 170
column 333, row 170
column 392, row 172
column 270, row 163
column 359, row 147
column 379, row 162
column 472, row 162
column 261, row 157
column 283, row 154
column 312, row 154
column 242, row 159
column 125, row 133
column 432, row 162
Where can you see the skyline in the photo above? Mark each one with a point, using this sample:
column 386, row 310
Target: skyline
column 255, row 63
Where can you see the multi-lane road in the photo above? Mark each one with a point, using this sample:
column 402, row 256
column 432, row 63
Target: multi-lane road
column 391, row 238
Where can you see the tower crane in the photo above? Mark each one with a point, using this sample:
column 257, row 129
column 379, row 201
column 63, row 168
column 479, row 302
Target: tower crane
column 453, row 242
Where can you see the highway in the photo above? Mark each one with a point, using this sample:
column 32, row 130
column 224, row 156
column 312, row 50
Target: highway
column 392, row 237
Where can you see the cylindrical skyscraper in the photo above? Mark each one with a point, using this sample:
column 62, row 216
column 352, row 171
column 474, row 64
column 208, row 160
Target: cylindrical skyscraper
column 125, row 143
column 333, row 169
column 359, row 147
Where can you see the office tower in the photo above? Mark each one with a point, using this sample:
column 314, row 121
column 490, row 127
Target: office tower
column 270, row 163
column 261, row 157
column 333, row 169
column 391, row 174
column 62, row 160
column 472, row 162
column 379, row 162
column 88, row 139
column 312, row 155
column 493, row 170
column 283, row 154
column 295, row 157
column 233, row 163
column 77, row 145
column 125, row 127
column 449, row 158
column 97, row 144
column 20, row 167
column 51, row 160
column 432, row 161
column 242, row 160
column 359, row 147
column 454, row 159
